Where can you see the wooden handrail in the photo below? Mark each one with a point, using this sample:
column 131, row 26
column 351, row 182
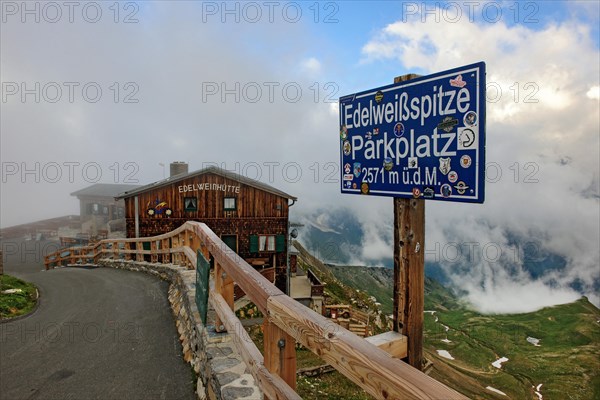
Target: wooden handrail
column 286, row 320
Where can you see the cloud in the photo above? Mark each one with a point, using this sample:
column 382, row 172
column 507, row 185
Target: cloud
column 542, row 154
column 172, row 89
column 594, row 93
column 311, row 65
column 516, row 297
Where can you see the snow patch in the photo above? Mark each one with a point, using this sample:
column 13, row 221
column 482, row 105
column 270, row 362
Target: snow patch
column 321, row 224
column 534, row 341
column 537, row 391
column 491, row 389
column 498, row 362
column 445, row 354
column 11, row 291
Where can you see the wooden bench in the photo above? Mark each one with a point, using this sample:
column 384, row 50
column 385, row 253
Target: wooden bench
column 258, row 261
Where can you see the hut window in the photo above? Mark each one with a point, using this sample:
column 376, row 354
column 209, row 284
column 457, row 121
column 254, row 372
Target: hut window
column 190, row 203
column 229, row 204
column 266, row 243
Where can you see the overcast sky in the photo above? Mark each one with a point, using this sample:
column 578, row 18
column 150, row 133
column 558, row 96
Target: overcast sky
column 106, row 92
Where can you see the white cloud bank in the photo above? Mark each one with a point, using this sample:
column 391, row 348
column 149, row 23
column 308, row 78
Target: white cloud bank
column 542, row 138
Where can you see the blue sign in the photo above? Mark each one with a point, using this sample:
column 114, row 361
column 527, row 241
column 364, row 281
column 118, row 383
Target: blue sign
column 423, row 138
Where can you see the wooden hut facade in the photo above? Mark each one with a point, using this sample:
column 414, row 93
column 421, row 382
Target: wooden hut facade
column 249, row 216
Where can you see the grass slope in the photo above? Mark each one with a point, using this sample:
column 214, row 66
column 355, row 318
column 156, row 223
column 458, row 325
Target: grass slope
column 375, row 281
column 566, row 362
column 15, row 304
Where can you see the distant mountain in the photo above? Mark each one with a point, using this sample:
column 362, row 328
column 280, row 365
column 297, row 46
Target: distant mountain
column 334, row 236
column 337, row 237
column 378, row 282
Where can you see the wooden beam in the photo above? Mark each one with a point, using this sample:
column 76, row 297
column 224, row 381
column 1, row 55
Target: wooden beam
column 391, row 342
column 280, row 352
column 371, row 368
column 409, row 274
column 409, row 269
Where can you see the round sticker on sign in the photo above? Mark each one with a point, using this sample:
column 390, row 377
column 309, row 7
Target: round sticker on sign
column 347, row 148
column 446, row 190
column 452, row 176
column 461, row 187
column 399, row 129
column 470, row 118
column 344, row 132
column 388, row 164
column 364, row 188
column 465, row 161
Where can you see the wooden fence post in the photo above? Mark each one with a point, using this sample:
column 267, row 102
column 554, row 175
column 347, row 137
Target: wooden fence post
column 223, row 286
column 153, row 249
column 139, row 246
column 280, row 353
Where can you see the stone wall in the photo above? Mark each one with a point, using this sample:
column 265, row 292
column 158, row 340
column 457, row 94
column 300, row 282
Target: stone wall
column 221, row 373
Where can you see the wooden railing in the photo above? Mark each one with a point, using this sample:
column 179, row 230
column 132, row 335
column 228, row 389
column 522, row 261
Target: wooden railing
column 316, row 286
column 286, row 321
column 268, row 273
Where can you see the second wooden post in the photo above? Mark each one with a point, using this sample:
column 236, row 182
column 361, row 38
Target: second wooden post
column 409, row 269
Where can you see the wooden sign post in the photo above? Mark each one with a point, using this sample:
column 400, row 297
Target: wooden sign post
column 409, row 269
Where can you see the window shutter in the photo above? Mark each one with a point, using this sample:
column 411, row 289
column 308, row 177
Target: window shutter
column 253, row 244
column 280, row 243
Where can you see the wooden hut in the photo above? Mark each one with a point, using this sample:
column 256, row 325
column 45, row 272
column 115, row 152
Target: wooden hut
column 250, row 217
column 99, row 210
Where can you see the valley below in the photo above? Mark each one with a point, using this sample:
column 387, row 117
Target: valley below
column 552, row 353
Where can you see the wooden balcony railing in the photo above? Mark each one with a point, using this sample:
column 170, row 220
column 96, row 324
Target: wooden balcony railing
column 286, row 321
column 316, row 286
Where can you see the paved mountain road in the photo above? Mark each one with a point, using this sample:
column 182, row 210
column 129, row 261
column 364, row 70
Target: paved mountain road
column 98, row 333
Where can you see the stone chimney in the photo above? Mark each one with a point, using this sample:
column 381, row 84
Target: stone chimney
column 178, row 167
